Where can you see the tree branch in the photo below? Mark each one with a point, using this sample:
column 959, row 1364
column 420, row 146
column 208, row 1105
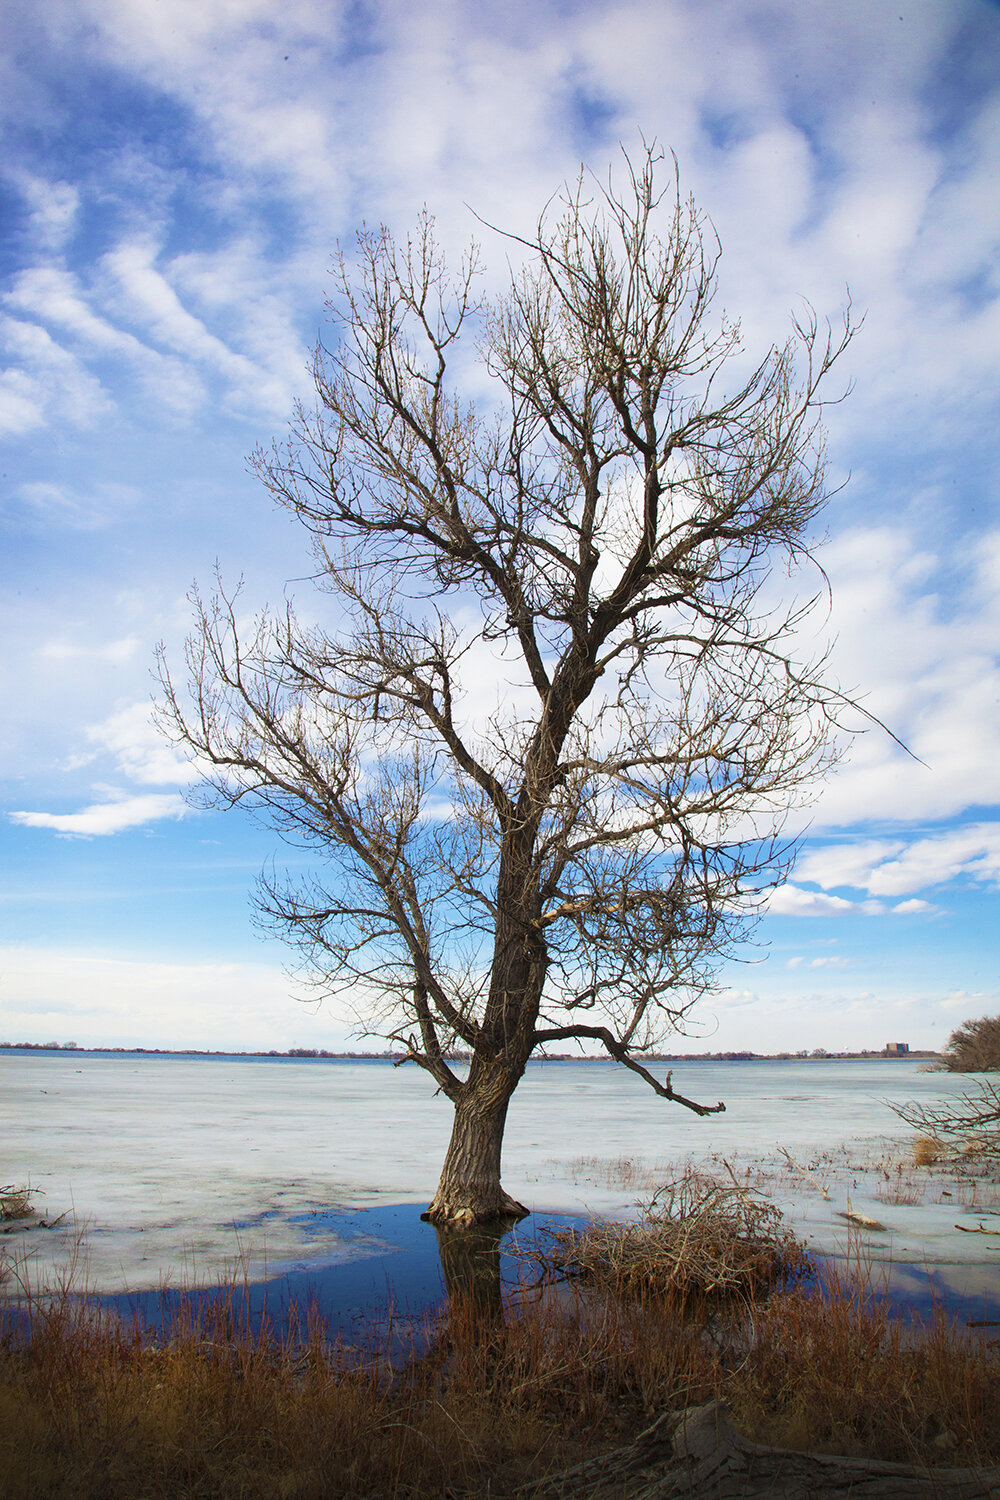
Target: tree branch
column 619, row 1052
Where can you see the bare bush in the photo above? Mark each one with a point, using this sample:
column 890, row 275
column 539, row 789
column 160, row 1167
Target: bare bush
column 15, row 1202
column 969, row 1123
column 699, row 1235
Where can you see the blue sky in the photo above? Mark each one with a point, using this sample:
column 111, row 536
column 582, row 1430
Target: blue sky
column 174, row 178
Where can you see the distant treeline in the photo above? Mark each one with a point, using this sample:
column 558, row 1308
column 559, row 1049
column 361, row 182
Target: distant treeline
column 198, row 1051
column 818, row 1054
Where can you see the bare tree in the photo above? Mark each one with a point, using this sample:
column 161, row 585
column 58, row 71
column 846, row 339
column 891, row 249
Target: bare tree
column 547, row 756
column 974, row 1047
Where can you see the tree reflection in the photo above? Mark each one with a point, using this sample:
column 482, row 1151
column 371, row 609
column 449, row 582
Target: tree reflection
column 470, row 1265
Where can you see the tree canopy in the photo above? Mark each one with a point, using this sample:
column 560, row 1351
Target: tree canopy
column 546, row 751
column 974, row 1047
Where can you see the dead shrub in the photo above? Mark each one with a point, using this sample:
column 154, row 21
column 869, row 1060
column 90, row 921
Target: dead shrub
column 15, row 1202
column 698, row 1236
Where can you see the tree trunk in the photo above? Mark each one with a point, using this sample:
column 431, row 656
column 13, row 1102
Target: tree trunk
column 469, row 1190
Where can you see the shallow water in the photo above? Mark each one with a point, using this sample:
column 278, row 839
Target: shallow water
column 177, row 1169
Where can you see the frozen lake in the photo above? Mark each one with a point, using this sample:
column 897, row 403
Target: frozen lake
column 171, row 1168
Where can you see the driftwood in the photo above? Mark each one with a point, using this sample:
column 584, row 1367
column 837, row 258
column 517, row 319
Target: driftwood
column 699, row 1455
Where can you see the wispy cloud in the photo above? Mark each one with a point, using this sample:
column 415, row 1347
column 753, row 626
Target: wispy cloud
column 828, row 961
column 57, row 299
column 53, row 208
column 897, row 867
column 792, row 901
column 140, row 750
column 150, row 297
column 103, row 818
column 46, row 504
column 46, row 383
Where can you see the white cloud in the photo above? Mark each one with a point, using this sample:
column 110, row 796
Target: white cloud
column 54, row 207
column 140, row 750
column 56, row 504
column 842, row 864
column 829, row 961
column 973, row 1002
column 115, row 652
column 22, row 403
column 792, row 901
column 912, row 908
column 46, row 382
column 927, row 665
column 108, row 817
column 973, row 852
column 56, row 298
column 150, row 297
column 110, row 1000
column 896, row 867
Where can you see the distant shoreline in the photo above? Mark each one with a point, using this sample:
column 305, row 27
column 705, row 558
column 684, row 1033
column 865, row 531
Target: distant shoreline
column 321, row 1054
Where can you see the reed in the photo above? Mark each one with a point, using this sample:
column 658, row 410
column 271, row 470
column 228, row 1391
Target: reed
column 900, row 1187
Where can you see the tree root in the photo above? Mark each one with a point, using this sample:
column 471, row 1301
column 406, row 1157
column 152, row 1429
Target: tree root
column 456, row 1214
column 699, row 1455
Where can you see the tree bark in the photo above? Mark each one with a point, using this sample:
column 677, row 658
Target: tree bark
column 469, row 1190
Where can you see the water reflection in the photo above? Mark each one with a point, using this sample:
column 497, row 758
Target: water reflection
column 471, row 1265
column 402, row 1273
column 965, row 1292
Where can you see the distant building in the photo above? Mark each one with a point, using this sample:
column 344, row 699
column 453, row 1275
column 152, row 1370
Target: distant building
column 896, row 1049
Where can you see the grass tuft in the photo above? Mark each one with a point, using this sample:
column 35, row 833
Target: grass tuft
column 15, row 1202
column 927, row 1151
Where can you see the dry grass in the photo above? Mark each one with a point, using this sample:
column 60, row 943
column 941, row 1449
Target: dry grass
column 837, row 1374
column 15, row 1202
column 900, row 1187
column 214, row 1407
column 630, row 1173
column 927, row 1151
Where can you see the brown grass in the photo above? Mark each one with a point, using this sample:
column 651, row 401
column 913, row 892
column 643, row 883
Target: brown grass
column 927, row 1150
column 837, row 1374
column 900, row 1187
column 216, row 1408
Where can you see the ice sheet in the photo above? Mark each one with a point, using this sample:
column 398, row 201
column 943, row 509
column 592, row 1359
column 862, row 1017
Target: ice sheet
column 172, row 1169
